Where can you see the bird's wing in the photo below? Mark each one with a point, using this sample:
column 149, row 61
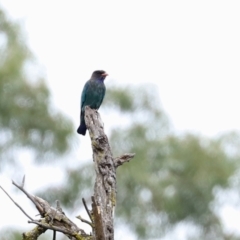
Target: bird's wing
column 103, row 94
column 83, row 97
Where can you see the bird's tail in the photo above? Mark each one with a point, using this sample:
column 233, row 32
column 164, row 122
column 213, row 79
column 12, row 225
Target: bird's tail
column 82, row 128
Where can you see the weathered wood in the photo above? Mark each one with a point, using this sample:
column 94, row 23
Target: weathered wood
column 51, row 218
column 104, row 199
column 118, row 161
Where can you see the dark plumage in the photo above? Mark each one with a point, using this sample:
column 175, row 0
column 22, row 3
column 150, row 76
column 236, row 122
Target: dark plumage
column 92, row 96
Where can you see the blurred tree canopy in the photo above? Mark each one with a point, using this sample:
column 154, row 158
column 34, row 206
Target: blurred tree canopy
column 26, row 116
column 172, row 179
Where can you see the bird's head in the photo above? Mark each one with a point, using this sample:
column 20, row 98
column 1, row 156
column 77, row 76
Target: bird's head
column 99, row 74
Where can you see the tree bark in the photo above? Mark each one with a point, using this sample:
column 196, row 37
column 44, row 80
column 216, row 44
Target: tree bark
column 104, row 199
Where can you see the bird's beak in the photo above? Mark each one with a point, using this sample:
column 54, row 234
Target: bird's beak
column 104, row 74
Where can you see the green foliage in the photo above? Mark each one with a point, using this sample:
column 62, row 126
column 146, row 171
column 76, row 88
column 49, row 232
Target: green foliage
column 11, row 234
column 16, row 234
column 26, row 116
column 172, row 178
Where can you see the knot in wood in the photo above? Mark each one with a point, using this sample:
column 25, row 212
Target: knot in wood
column 99, row 143
column 101, row 140
column 105, row 167
column 110, row 180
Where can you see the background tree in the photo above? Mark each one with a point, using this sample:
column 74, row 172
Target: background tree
column 27, row 118
column 172, row 180
column 28, row 121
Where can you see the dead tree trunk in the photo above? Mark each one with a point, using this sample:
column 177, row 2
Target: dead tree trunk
column 103, row 199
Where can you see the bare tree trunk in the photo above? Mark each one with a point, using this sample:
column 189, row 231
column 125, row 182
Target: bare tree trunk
column 104, row 199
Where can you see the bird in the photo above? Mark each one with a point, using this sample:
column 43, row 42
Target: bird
column 92, row 95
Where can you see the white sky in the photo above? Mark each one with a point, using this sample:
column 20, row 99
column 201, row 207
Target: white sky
column 189, row 49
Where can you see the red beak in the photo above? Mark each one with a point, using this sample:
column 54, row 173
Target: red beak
column 104, row 74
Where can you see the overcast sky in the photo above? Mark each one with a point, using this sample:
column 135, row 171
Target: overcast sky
column 189, row 49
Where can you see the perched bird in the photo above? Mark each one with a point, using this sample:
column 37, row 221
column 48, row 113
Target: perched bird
column 92, row 96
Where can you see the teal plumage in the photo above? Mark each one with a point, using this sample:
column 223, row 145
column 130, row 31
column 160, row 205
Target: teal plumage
column 92, row 95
